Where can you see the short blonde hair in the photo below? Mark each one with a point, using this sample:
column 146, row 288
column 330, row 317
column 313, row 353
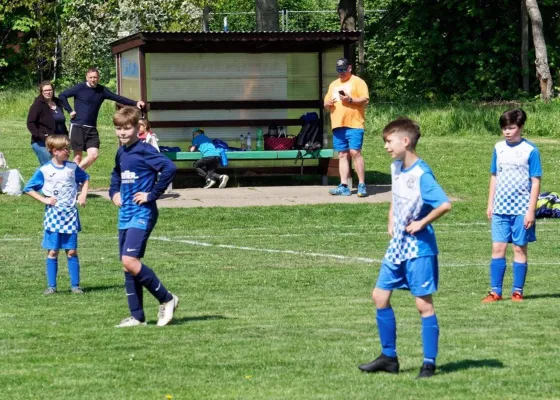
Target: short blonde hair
column 57, row 142
column 126, row 116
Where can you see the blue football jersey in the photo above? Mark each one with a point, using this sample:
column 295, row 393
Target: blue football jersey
column 514, row 165
column 415, row 192
column 136, row 170
column 62, row 183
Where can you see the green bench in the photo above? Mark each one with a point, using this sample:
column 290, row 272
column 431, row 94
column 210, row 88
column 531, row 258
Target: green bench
column 253, row 155
column 285, row 161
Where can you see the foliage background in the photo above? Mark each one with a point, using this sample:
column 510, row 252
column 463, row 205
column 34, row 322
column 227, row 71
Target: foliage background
column 415, row 49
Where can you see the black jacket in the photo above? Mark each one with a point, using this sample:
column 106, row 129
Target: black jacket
column 40, row 120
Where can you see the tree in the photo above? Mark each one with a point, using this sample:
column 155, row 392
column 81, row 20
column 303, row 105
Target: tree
column 267, row 15
column 524, row 46
column 347, row 12
column 541, row 61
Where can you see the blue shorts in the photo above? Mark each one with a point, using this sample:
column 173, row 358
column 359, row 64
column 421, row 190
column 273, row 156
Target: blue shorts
column 57, row 241
column 345, row 139
column 419, row 275
column 511, row 229
column 133, row 242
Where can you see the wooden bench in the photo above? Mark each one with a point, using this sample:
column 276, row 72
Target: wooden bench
column 323, row 166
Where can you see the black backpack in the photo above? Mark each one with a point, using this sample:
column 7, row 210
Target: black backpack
column 310, row 137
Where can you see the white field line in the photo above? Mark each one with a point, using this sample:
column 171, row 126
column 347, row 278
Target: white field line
column 263, row 250
column 325, row 255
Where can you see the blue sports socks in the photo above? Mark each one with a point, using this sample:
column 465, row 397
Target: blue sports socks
column 519, row 275
column 74, row 271
column 150, row 281
column 497, row 271
column 134, row 296
column 52, row 270
column 387, row 326
column 430, row 336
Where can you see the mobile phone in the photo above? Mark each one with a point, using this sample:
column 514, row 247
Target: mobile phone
column 341, row 92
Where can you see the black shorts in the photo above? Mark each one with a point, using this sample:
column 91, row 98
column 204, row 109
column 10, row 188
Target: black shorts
column 84, row 137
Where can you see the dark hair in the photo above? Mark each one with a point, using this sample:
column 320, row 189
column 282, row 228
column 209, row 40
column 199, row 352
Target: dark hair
column 513, row 117
column 404, row 126
column 43, row 84
column 92, row 69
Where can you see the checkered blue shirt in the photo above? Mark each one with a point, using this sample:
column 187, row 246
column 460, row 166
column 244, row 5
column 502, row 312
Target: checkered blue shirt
column 415, row 194
column 514, row 166
column 61, row 183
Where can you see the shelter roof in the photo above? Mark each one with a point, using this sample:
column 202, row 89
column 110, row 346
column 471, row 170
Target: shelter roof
column 261, row 42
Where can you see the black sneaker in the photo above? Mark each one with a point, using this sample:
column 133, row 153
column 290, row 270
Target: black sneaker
column 427, row 371
column 382, row 363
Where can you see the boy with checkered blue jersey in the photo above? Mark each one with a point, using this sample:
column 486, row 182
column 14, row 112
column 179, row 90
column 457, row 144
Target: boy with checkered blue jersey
column 56, row 185
column 512, row 199
column 410, row 262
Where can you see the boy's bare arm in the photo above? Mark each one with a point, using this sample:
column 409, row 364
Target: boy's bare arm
column 417, row 226
column 491, row 194
column 51, row 201
column 535, row 190
column 83, row 196
column 193, row 148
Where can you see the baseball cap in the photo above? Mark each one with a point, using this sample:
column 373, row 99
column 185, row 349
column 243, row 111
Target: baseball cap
column 342, row 64
column 197, row 130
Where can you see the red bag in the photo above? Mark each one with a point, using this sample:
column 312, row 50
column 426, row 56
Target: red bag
column 279, row 143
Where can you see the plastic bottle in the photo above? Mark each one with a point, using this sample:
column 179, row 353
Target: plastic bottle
column 260, row 146
column 248, row 141
column 242, row 142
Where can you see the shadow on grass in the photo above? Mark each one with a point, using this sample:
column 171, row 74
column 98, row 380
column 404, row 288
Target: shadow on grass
column 88, row 289
column 542, row 296
column 468, row 364
column 184, row 320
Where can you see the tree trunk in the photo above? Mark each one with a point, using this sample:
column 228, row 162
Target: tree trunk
column 267, row 15
column 205, row 19
column 543, row 71
column 524, row 46
column 347, row 13
column 361, row 47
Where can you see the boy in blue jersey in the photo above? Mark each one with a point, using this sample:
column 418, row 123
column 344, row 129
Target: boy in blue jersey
column 210, row 160
column 135, row 187
column 512, row 200
column 411, row 260
column 56, row 185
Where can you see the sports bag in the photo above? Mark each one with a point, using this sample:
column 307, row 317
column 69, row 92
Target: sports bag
column 310, row 136
column 10, row 182
column 282, row 142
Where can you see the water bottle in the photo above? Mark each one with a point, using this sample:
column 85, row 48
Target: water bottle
column 242, row 142
column 260, row 146
column 248, row 141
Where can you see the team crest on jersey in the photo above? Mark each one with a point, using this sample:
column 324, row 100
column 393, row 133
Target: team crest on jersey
column 128, row 177
column 410, row 183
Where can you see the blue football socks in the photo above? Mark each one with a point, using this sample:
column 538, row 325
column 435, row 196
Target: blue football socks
column 430, row 336
column 387, row 326
column 150, row 281
column 519, row 275
column 52, row 271
column 497, row 271
column 134, row 296
column 74, row 271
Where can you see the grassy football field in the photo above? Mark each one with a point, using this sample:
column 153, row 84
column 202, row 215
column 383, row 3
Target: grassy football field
column 275, row 301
